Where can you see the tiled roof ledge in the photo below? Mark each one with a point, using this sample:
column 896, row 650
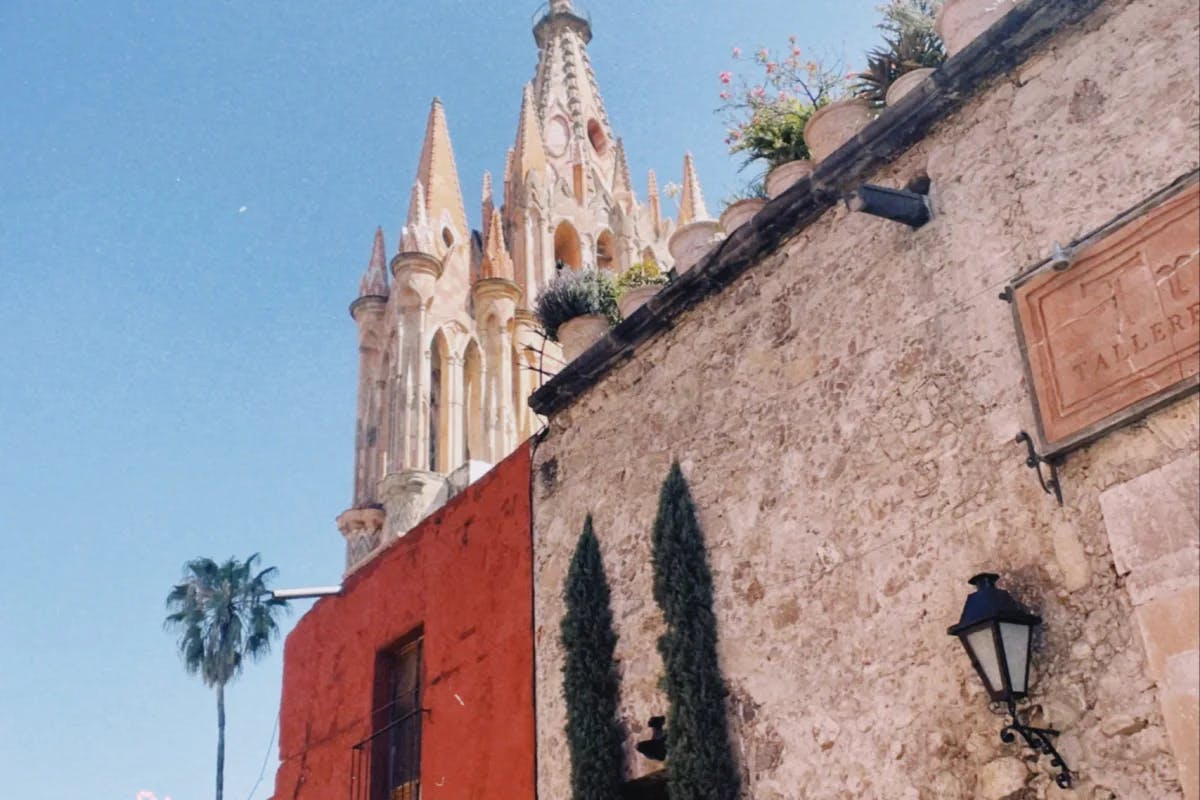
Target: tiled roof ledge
column 997, row 51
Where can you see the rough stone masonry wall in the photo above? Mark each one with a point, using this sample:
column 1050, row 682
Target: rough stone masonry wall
column 845, row 413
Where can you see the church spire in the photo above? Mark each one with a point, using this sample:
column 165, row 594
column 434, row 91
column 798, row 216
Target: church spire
column 437, row 174
column 567, row 97
column 374, row 279
column 691, row 203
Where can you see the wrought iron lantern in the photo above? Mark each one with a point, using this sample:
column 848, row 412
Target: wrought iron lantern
column 997, row 634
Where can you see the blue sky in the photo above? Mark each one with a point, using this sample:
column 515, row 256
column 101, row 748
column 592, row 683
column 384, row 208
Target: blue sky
column 188, row 193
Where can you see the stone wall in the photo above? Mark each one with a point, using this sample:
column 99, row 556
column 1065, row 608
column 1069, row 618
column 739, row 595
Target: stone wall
column 846, row 412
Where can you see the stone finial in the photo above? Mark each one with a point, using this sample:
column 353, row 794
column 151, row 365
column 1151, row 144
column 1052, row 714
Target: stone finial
column 438, row 174
column 417, row 235
column 497, row 263
column 691, row 203
column 529, row 153
column 374, row 279
column 621, row 180
column 488, row 203
column 654, row 201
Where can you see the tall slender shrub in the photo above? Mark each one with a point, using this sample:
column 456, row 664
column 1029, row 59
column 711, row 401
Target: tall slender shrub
column 590, row 682
column 700, row 764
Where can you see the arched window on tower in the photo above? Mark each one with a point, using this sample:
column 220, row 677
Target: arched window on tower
column 566, row 246
column 473, row 404
column 606, row 251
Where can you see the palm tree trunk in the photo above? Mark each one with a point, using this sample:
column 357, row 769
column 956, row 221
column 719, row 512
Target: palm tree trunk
column 220, row 740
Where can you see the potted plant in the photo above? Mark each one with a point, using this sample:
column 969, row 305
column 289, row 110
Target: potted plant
column 692, row 242
column 960, row 21
column 638, row 284
column 766, row 116
column 834, row 124
column 576, row 308
column 741, row 207
column 912, row 51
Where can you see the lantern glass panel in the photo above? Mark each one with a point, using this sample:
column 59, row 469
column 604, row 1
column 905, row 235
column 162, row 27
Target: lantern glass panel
column 982, row 643
column 1016, row 652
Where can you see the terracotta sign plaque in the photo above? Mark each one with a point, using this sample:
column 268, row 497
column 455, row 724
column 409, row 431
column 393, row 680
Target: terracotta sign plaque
column 1117, row 333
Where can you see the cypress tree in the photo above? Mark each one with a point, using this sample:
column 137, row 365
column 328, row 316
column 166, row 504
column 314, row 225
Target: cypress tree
column 590, row 682
column 700, row 764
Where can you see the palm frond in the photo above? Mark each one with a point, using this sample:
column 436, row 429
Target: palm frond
column 222, row 613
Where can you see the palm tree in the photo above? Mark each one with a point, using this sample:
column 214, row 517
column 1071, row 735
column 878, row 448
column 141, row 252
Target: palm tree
column 224, row 613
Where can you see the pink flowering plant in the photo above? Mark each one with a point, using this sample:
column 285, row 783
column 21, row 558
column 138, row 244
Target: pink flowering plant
column 768, row 98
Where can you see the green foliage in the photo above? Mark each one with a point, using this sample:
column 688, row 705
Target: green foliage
column 573, row 293
column 910, row 43
column 643, row 273
column 765, row 113
column 590, row 682
column 775, row 133
column 225, row 615
column 700, row 764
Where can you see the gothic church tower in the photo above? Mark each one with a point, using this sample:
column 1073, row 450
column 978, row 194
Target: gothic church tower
column 447, row 344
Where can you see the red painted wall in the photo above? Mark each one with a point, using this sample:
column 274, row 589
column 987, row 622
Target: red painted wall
column 465, row 575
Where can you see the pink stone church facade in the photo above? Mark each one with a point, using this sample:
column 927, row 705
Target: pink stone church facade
column 448, row 349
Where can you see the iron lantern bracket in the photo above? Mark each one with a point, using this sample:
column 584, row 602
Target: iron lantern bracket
column 1039, row 740
column 1051, row 484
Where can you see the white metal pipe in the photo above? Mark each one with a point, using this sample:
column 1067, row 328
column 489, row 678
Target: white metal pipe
column 303, row 594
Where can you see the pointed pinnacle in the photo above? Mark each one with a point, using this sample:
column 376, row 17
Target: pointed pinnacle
column 621, row 180
column 374, row 279
column 415, row 236
column 489, row 203
column 438, row 173
column 654, row 202
column 497, row 263
column 530, row 151
column 691, row 204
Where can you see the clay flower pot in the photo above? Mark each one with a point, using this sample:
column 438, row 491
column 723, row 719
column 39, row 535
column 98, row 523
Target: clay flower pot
column 960, row 21
column 906, row 83
column 834, row 125
column 692, row 242
column 579, row 333
column 781, row 178
column 738, row 214
column 635, row 298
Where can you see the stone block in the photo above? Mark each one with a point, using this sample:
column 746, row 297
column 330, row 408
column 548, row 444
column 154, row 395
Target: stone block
column 1153, row 524
column 1180, row 695
column 1169, row 626
column 1001, row 779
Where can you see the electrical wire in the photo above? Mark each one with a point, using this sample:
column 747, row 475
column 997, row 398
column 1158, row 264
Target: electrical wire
column 266, row 758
